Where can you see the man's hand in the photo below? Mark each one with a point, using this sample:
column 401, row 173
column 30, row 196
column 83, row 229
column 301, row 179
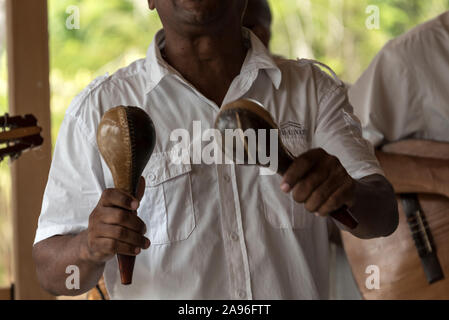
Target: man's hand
column 319, row 180
column 114, row 228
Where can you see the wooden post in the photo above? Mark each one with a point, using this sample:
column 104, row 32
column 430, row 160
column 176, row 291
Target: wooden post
column 29, row 92
column 5, row 294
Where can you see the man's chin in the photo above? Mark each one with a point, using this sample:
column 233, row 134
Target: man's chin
column 200, row 19
column 200, row 12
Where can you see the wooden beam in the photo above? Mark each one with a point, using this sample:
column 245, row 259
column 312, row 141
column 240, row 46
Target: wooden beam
column 29, row 92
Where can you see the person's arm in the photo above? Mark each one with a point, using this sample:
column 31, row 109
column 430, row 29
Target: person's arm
column 112, row 230
column 320, row 181
column 412, row 174
column 53, row 255
column 375, row 207
column 343, row 169
column 389, row 97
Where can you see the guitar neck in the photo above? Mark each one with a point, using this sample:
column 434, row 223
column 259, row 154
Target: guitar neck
column 13, row 151
column 19, row 133
column 18, row 121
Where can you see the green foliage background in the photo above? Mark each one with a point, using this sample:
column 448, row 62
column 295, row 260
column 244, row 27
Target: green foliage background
column 114, row 33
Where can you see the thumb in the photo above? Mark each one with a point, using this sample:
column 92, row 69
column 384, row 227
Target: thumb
column 140, row 188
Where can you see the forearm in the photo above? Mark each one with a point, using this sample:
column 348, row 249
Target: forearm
column 411, row 174
column 375, row 208
column 52, row 257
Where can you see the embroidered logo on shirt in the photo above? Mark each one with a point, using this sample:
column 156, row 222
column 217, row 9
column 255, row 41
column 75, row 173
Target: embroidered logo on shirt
column 293, row 135
column 290, row 130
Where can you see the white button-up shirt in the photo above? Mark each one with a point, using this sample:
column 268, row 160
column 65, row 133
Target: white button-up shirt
column 217, row 231
column 404, row 92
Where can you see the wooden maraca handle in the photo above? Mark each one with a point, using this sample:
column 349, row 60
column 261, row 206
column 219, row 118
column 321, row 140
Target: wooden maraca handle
column 126, row 137
column 342, row 215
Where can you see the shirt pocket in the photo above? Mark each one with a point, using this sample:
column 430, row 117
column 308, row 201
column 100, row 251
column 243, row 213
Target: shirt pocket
column 167, row 205
column 280, row 210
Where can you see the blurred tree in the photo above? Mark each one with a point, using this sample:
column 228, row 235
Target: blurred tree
column 5, row 182
column 108, row 29
column 334, row 31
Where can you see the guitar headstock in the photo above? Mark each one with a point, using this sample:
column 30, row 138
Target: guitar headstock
column 18, row 134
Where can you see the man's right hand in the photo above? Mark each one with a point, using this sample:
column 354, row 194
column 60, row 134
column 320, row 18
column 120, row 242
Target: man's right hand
column 114, row 227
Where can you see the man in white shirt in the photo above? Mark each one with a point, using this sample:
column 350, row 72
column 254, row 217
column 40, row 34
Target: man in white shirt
column 216, row 231
column 404, row 95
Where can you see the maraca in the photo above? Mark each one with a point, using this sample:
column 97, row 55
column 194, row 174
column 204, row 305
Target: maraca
column 126, row 139
column 247, row 114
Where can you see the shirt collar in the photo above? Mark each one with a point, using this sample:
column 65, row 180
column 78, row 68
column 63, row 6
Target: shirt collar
column 258, row 58
column 156, row 67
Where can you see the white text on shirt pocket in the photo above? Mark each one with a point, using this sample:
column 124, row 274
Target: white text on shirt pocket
column 167, row 205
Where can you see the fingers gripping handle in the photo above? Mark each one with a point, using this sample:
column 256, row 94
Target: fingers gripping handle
column 342, row 215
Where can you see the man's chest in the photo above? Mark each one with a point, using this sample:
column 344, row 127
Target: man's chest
column 188, row 118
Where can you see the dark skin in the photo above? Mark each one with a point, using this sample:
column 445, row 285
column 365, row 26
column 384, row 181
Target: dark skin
column 320, row 181
column 258, row 19
column 204, row 43
column 113, row 228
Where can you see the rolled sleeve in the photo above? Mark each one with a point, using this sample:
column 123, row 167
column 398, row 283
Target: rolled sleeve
column 339, row 132
column 74, row 184
column 387, row 98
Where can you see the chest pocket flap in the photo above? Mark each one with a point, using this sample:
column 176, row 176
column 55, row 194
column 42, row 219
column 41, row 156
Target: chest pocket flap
column 167, row 205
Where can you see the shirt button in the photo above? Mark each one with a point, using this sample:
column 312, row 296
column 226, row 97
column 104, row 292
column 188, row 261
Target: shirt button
column 152, row 177
column 234, row 236
column 227, row 178
column 241, row 294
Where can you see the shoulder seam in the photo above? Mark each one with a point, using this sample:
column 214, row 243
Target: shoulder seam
column 84, row 130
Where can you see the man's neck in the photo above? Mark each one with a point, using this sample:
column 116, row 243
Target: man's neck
column 208, row 62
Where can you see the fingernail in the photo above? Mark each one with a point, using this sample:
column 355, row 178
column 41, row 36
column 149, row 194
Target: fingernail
column 285, row 187
column 147, row 244
column 134, row 205
column 137, row 251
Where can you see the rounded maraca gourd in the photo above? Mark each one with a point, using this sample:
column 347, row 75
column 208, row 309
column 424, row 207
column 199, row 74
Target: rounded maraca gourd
column 126, row 137
column 247, row 114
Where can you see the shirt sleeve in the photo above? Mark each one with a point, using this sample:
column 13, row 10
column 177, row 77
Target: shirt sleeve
column 338, row 130
column 75, row 182
column 387, row 98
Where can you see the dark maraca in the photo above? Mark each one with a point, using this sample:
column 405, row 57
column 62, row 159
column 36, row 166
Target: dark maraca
column 243, row 115
column 126, row 139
